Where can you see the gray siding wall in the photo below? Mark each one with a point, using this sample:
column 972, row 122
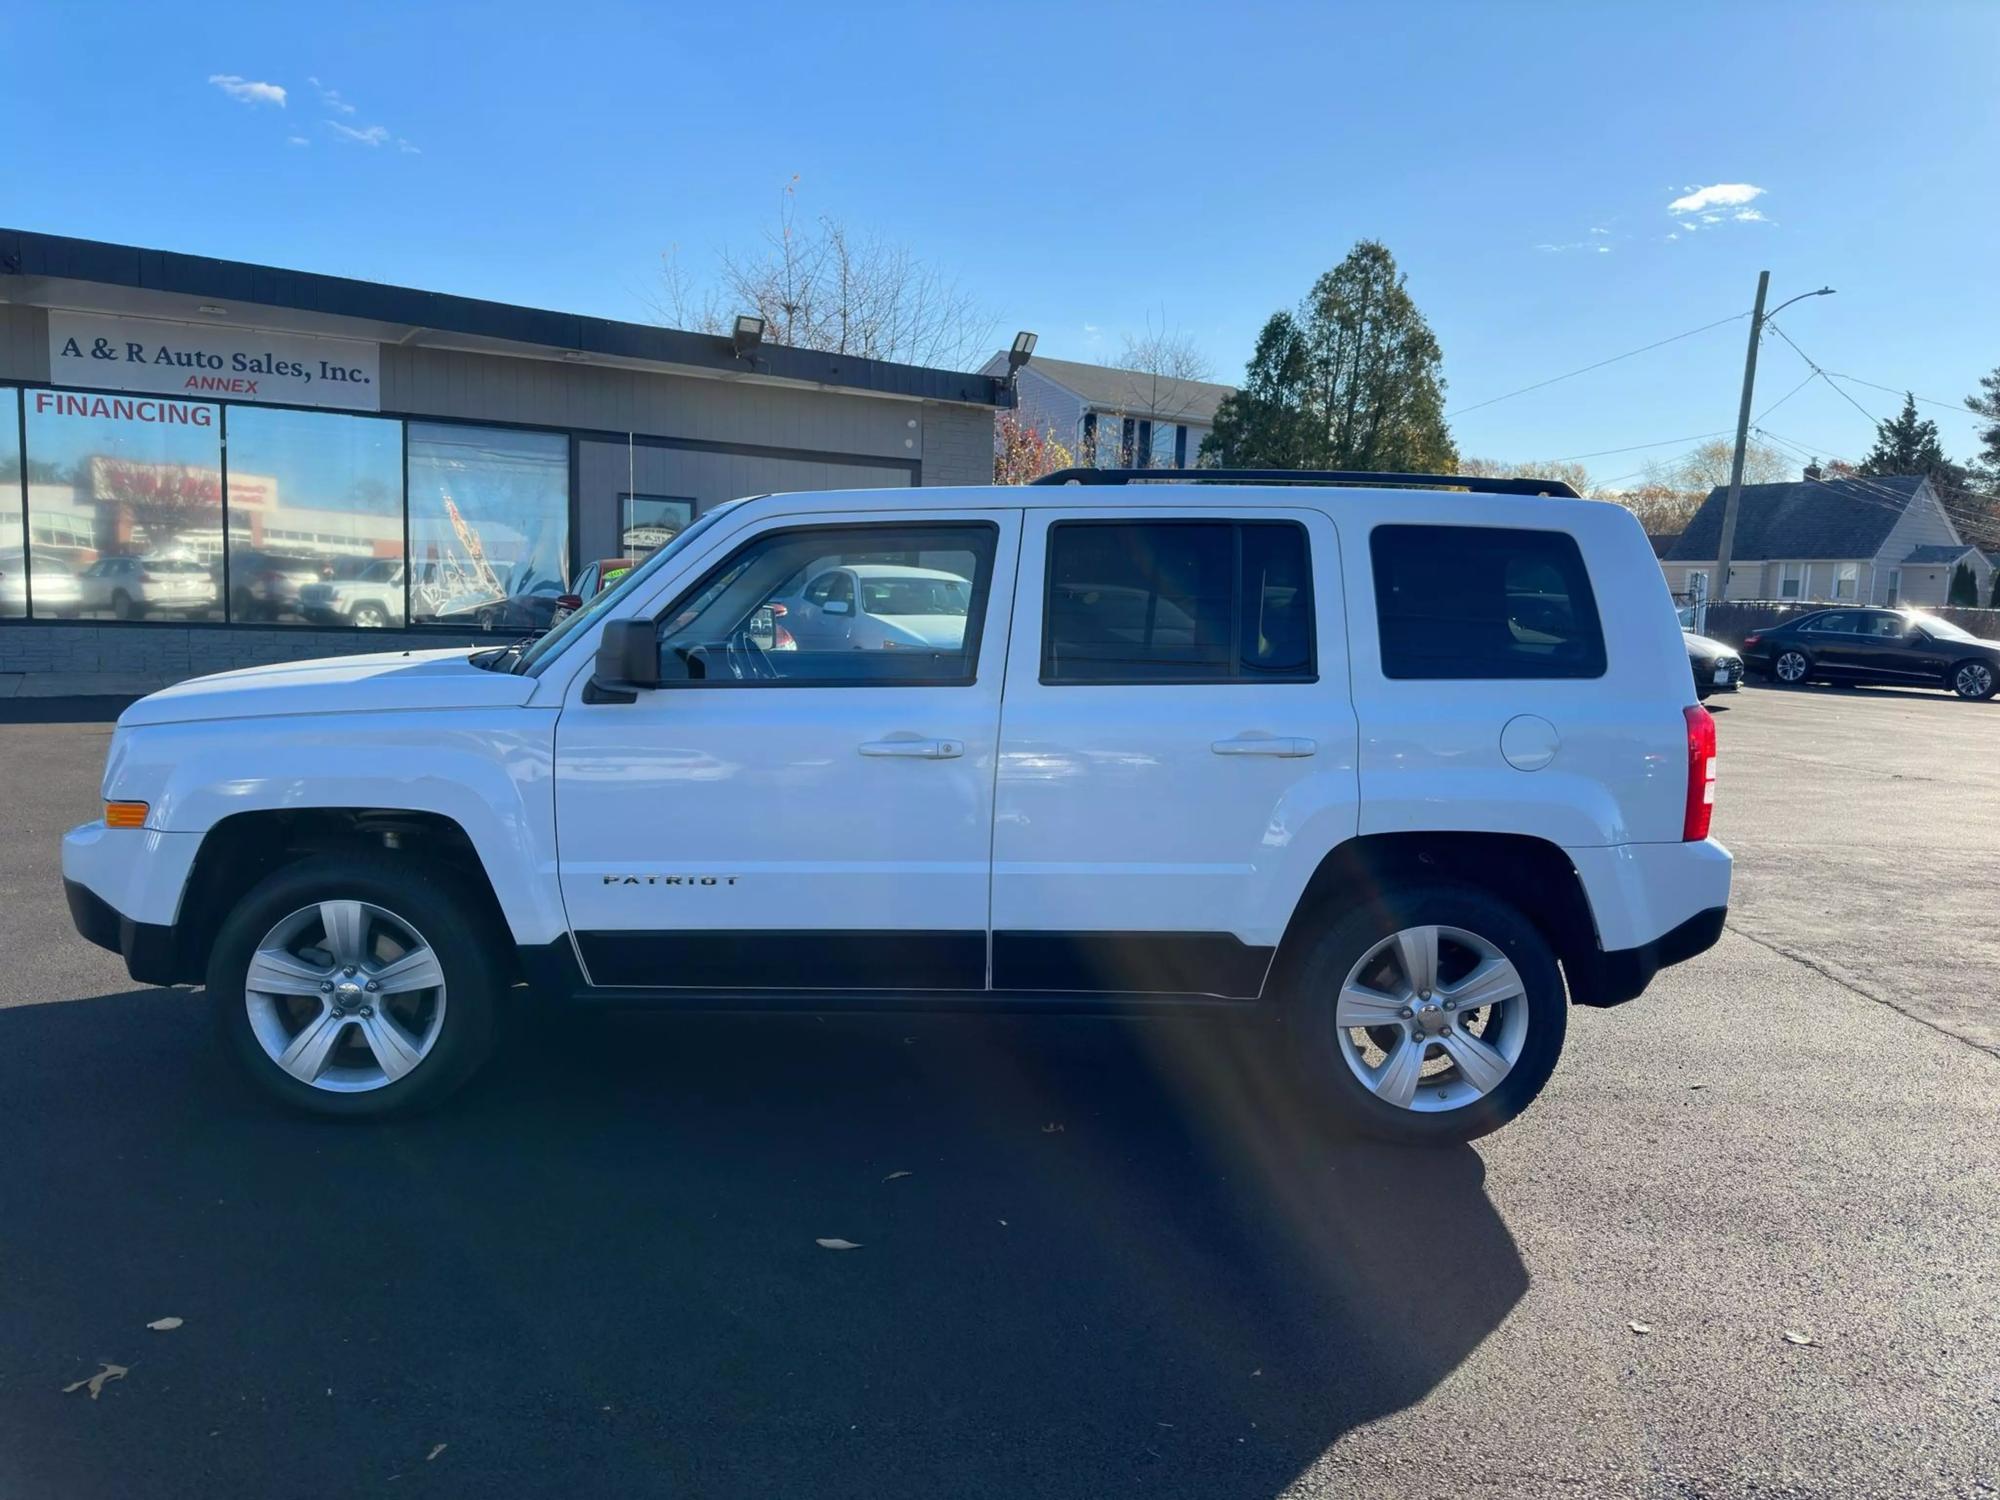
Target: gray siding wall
column 1923, row 523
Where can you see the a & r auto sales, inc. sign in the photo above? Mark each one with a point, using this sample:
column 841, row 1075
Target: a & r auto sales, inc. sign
column 183, row 359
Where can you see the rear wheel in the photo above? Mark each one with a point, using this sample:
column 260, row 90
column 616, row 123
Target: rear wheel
column 370, row 615
column 1973, row 679
column 124, row 606
column 356, row 985
column 1791, row 667
column 1431, row 1015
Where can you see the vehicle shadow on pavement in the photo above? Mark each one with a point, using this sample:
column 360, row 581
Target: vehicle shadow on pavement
column 1089, row 1257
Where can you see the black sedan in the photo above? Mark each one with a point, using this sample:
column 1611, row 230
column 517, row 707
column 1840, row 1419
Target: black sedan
column 1901, row 646
column 1716, row 668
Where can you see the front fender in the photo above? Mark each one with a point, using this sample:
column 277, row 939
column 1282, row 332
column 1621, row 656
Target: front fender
column 489, row 770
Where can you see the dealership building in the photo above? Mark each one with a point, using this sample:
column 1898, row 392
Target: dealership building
column 207, row 464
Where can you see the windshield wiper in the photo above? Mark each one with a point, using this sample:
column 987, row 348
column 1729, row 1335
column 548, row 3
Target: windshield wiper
column 497, row 658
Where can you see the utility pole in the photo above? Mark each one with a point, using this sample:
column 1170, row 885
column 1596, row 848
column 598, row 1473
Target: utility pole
column 1728, row 546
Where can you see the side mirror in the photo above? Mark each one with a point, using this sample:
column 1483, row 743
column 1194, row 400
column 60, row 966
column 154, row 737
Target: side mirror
column 836, row 607
column 628, row 657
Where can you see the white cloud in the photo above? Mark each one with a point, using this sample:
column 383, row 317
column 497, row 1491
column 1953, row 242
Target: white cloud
column 248, row 91
column 1569, row 245
column 373, row 135
column 331, row 97
column 1749, row 216
column 1715, row 195
column 1600, row 231
column 406, row 148
column 297, row 140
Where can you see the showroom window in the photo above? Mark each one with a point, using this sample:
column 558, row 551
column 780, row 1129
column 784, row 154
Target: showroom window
column 124, row 507
column 13, row 541
column 315, row 518
column 489, row 525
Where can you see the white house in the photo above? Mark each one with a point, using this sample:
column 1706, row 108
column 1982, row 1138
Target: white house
column 1874, row 540
column 1127, row 418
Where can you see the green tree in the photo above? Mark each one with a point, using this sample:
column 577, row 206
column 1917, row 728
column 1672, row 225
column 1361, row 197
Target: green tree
column 1353, row 380
column 1964, row 588
column 1987, row 405
column 1907, row 444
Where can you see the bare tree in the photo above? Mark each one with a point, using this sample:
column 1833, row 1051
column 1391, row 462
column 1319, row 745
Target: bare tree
column 820, row 285
column 1161, row 371
column 1568, row 471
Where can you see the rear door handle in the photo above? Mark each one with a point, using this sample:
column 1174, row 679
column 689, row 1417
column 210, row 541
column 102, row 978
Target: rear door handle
column 916, row 749
column 1290, row 746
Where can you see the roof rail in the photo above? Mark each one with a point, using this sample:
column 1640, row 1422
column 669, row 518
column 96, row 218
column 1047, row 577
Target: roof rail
column 1477, row 485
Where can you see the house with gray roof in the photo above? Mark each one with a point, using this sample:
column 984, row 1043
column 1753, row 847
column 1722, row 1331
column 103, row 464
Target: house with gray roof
column 1874, row 540
column 1126, row 418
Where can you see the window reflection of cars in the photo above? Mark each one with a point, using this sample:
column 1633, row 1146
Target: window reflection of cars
column 591, row 582
column 132, row 587
column 873, row 607
column 57, row 592
column 264, row 585
column 370, row 596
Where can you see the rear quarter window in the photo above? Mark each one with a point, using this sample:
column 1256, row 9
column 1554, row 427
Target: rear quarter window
column 1484, row 602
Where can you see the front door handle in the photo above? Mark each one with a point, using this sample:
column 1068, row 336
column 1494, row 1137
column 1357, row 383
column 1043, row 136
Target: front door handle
column 916, row 749
column 1290, row 746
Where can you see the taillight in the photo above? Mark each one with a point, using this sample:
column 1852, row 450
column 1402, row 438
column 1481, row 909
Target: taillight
column 1701, row 773
column 1751, row 640
column 781, row 639
column 777, row 611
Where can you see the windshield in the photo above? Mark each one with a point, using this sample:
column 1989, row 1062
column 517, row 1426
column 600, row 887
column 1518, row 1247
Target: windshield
column 1939, row 629
column 914, row 596
column 604, row 603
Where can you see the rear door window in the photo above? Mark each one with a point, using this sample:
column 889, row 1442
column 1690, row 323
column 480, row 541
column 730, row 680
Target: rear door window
column 1178, row 601
column 1484, row 602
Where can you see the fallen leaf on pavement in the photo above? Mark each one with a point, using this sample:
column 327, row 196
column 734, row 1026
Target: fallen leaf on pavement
column 894, row 1175
column 164, row 1325
column 1640, row 1327
column 836, row 1244
column 436, row 1451
column 1793, row 1336
column 1697, row 1085
column 96, row 1382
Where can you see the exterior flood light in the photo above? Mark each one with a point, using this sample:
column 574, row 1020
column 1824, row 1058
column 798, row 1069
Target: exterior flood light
column 748, row 335
column 1024, row 346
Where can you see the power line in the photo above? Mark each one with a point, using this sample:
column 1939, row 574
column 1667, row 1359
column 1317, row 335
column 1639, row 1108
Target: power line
column 1874, row 493
column 1815, row 367
column 1662, row 443
column 1783, row 399
column 1951, row 406
column 1600, row 364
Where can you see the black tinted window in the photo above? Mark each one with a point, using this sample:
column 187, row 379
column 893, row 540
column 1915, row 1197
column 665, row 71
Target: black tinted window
column 1484, row 602
column 1178, row 601
column 1838, row 624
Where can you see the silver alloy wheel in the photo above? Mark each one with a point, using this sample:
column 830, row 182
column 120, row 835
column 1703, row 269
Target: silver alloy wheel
column 345, row 996
column 1973, row 680
column 1432, row 1018
column 1791, row 666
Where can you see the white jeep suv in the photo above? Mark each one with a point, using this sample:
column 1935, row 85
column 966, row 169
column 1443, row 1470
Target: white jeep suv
column 1395, row 773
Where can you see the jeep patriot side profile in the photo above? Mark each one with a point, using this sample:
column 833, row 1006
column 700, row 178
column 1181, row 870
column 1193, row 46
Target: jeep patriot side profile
column 1404, row 770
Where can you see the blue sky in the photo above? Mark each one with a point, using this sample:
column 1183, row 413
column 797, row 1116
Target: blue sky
column 1085, row 169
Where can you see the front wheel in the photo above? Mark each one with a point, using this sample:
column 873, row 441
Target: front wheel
column 1973, row 680
column 357, row 985
column 1791, row 667
column 1430, row 1015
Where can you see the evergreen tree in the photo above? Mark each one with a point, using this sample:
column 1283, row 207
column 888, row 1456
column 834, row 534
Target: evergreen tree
column 1906, row 444
column 1964, row 588
column 1352, row 381
column 1987, row 404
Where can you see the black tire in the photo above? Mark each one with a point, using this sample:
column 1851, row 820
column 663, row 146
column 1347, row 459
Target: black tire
column 369, row 615
column 452, row 921
column 124, row 606
column 1974, row 686
column 1805, row 671
column 1313, row 976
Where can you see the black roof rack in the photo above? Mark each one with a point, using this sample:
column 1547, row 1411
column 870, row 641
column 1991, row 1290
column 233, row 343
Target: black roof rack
column 1477, row 485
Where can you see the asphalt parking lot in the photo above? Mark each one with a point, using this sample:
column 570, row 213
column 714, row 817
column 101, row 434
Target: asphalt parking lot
column 1107, row 1270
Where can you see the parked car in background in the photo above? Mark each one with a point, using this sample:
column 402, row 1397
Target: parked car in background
column 132, row 587
column 877, row 606
column 57, row 592
column 1716, row 668
column 1902, row 646
column 265, row 585
column 371, row 597
column 591, row 582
